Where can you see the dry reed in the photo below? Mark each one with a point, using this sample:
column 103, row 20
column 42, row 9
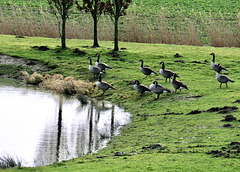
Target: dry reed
column 59, row 84
column 134, row 27
column 67, row 85
column 221, row 35
column 33, row 79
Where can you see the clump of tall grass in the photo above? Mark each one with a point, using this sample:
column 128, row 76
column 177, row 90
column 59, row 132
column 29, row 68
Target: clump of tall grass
column 7, row 161
column 59, row 83
column 66, row 85
column 33, row 79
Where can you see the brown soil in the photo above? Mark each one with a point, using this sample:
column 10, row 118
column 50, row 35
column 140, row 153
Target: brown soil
column 230, row 151
column 17, row 61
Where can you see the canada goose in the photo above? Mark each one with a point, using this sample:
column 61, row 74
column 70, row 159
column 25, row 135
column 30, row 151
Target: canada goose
column 166, row 73
column 158, row 89
column 216, row 66
column 178, row 84
column 223, row 78
column 140, row 88
column 102, row 66
column 104, row 85
column 146, row 70
column 93, row 69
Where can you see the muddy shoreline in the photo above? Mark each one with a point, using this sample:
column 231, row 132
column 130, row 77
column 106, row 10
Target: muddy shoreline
column 11, row 67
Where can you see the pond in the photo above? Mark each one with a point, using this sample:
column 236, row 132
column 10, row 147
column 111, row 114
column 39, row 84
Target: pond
column 39, row 128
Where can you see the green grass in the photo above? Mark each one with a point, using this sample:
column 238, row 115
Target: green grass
column 146, row 162
column 187, row 8
column 28, row 3
column 186, row 138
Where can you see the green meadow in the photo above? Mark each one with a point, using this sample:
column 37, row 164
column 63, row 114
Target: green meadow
column 183, row 131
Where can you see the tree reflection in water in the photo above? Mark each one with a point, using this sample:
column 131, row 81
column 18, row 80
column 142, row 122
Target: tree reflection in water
column 74, row 133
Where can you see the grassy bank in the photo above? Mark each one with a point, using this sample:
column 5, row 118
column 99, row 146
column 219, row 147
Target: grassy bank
column 166, row 21
column 183, row 124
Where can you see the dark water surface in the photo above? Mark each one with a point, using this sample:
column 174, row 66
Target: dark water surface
column 40, row 128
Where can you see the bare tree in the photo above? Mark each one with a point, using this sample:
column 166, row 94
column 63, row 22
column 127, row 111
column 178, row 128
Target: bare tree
column 96, row 7
column 115, row 9
column 61, row 9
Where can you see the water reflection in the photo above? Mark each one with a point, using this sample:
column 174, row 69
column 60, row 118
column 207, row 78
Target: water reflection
column 41, row 128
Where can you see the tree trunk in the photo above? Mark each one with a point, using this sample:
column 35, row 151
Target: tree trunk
column 95, row 36
column 116, row 28
column 64, row 19
column 63, row 36
column 116, row 36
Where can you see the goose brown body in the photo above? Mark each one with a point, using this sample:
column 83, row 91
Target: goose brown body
column 146, row 70
column 178, row 84
column 140, row 88
column 216, row 66
column 93, row 69
column 166, row 73
column 104, row 85
column 158, row 89
column 223, row 78
column 102, row 66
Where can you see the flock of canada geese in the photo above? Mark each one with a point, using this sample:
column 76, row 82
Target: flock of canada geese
column 156, row 88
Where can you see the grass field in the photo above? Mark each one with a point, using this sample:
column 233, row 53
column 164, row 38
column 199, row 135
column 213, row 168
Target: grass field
column 198, row 22
column 183, row 123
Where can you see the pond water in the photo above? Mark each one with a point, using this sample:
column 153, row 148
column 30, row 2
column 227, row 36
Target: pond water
column 40, row 128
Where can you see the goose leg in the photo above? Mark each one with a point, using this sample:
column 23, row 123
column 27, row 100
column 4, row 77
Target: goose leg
column 220, row 85
column 226, row 85
column 102, row 93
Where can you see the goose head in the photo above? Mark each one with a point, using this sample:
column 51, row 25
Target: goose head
column 98, row 56
column 136, row 82
column 141, row 62
column 155, row 82
column 163, row 65
column 212, row 54
column 90, row 60
column 219, row 68
column 174, row 76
